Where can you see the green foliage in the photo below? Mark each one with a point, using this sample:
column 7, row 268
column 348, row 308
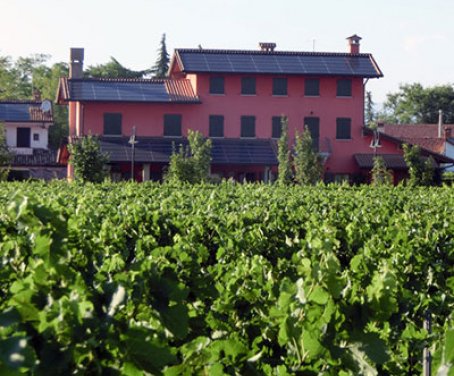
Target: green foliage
column 370, row 115
column 284, row 168
column 421, row 172
column 306, row 161
column 162, row 63
column 414, row 103
column 229, row 279
column 191, row 164
column 113, row 69
column 5, row 155
column 380, row 174
column 88, row 160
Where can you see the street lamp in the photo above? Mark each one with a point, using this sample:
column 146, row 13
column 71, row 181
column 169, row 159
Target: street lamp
column 133, row 142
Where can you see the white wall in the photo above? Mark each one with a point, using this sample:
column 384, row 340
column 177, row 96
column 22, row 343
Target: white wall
column 11, row 135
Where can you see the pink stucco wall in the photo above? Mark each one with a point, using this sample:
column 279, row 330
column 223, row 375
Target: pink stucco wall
column 148, row 118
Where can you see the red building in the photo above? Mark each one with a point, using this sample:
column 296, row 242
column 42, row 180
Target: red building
column 235, row 97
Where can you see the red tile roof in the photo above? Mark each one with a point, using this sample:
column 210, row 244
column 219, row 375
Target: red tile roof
column 424, row 135
column 415, row 130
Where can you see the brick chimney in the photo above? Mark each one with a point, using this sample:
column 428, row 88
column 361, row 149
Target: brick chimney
column 76, row 64
column 353, row 43
column 36, row 95
column 267, row 47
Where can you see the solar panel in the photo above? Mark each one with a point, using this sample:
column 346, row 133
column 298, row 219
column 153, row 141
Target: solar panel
column 159, row 150
column 14, row 111
column 119, row 91
column 278, row 63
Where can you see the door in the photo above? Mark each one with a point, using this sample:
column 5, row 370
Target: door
column 23, row 137
column 313, row 125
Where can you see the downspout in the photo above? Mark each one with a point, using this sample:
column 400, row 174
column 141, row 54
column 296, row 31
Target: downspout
column 440, row 122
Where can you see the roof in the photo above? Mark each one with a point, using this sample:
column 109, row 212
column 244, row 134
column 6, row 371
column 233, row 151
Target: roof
column 23, row 111
column 223, row 151
column 276, row 62
column 392, row 161
column 415, row 130
column 440, row 158
column 126, row 90
column 40, row 157
column 424, row 135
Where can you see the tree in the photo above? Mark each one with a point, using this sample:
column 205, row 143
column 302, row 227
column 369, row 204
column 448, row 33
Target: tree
column 284, row 169
column 162, row 63
column 306, row 161
column 5, row 156
column 191, row 164
column 88, row 160
column 380, row 174
column 415, row 104
column 113, row 69
column 420, row 172
column 369, row 114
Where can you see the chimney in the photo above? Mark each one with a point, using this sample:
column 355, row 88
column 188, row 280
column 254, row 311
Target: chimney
column 76, row 64
column 353, row 43
column 267, row 47
column 36, row 95
column 440, row 122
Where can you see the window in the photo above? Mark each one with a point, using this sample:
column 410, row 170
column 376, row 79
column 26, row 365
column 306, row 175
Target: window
column 344, row 88
column 313, row 125
column 23, row 137
column 35, row 136
column 279, row 86
column 343, row 128
column 248, row 86
column 276, row 127
column 112, row 124
column 312, row 87
column 247, row 126
column 172, row 125
column 216, row 85
column 216, row 126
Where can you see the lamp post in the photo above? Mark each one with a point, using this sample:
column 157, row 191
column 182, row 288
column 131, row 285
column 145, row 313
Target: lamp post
column 133, row 142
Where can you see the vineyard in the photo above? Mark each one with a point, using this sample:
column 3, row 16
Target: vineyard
column 129, row 279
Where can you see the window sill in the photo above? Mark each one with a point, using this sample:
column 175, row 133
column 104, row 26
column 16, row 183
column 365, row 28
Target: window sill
column 344, row 97
column 248, row 95
column 172, row 136
column 248, row 138
column 216, row 137
column 344, row 139
column 217, row 94
column 311, row 96
column 280, row 95
column 112, row 135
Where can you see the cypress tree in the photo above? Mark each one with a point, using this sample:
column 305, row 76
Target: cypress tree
column 285, row 173
column 306, row 162
column 5, row 156
column 162, row 63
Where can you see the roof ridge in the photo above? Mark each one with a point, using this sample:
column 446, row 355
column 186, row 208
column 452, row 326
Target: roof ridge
column 124, row 79
column 259, row 52
column 20, row 101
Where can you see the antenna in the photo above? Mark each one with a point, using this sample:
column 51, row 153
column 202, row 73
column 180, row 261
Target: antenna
column 46, row 106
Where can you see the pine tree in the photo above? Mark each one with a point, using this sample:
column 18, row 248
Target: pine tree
column 162, row 63
column 306, row 161
column 5, row 156
column 284, row 169
column 88, row 160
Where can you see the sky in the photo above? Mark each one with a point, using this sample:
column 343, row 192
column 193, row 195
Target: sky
column 411, row 40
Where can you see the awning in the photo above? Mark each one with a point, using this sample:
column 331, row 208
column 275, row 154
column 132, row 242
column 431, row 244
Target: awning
column 392, row 161
column 223, row 151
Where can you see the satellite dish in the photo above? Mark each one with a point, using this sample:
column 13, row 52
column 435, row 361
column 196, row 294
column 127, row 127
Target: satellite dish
column 46, row 106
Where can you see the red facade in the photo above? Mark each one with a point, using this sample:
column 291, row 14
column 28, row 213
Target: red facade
column 238, row 92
